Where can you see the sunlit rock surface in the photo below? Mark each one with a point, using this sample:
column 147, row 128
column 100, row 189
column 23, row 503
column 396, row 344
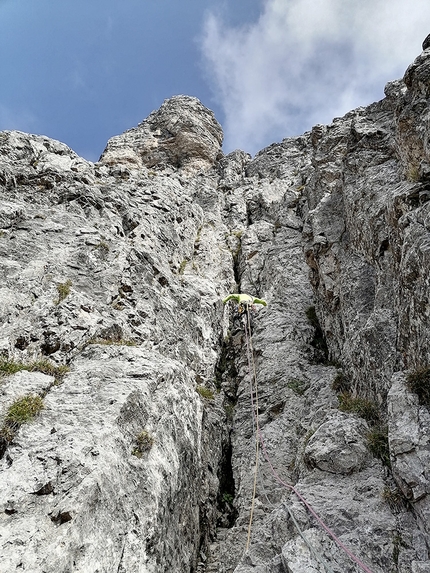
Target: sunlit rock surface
column 143, row 457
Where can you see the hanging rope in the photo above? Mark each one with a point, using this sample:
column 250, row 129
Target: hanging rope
column 253, row 384
column 259, row 440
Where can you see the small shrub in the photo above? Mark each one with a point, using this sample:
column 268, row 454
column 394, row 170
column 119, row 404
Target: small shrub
column 341, row 383
column 182, row 266
column 144, row 442
column 395, row 499
column 364, row 408
column 63, row 290
column 377, row 442
column 299, row 387
column 227, row 498
column 24, row 409
column 419, row 383
column 205, row 392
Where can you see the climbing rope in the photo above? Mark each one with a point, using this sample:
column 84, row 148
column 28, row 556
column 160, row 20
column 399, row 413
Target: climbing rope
column 316, row 555
column 253, row 384
column 259, row 441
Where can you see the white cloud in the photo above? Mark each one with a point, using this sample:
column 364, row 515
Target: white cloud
column 306, row 61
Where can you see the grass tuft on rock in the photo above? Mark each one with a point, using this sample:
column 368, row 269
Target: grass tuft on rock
column 205, row 392
column 395, row 498
column 24, row 409
column 341, row 383
column 298, row 386
column 419, row 383
column 112, row 342
column 356, row 405
column 377, row 442
column 9, row 367
column 63, row 290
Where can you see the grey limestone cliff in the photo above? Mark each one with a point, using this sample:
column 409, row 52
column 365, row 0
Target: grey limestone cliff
column 141, row 454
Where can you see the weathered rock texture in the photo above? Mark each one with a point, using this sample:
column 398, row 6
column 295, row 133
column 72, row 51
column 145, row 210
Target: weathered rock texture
column 143, row 457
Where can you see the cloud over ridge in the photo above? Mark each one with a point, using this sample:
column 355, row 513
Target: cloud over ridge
column 306, row 61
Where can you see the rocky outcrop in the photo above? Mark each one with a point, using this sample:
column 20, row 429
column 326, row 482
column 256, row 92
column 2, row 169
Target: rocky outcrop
column 143, row 455
column 182, row 134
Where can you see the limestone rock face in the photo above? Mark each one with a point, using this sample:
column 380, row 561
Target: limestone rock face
column 182, row 133
column 144, row 456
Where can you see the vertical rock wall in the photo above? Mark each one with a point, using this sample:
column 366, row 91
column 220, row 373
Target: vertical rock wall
column 143, row 458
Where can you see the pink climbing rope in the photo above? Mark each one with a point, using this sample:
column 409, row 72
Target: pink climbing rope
column 252, row 374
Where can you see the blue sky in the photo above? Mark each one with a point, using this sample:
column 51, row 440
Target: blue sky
column 86, row 70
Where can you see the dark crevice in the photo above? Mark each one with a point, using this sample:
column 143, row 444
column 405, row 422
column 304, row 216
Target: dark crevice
column 227, row 512
column 318, row 342
column 226, row 380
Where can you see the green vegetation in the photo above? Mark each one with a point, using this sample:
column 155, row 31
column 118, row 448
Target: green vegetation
column 377, row 436
column 398, row 544
column 229, row 410
column 112, row 342
column 8, row 367
column 102, row 247
column 205, row 392
column 182, row 266
column 47, row 367
column 24, row 409
column 413, row 173
column 6, row 436
column 63, row 290
column 341, row 383
column 395, row 499
column 27, row 407
column 364, row 408
column 299, row 387
column 377, row 442
column 144, row 442
column 419, row 383
column 227, row 498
